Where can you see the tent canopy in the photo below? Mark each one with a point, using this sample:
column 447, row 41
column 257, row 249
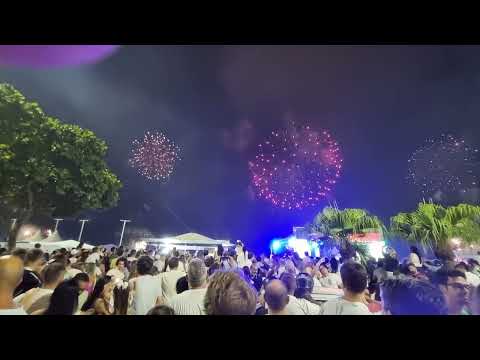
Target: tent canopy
column 192, row 239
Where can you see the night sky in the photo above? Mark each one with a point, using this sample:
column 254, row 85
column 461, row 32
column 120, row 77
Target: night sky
column 219, row 102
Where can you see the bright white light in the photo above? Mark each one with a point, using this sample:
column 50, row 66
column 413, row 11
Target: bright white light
column 276, row 245
column 375, row 249
column 27, row 233
column 140, row 245
column 300, row 246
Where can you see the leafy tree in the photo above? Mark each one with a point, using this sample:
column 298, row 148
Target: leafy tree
column 47, row 167
column 433, row 225
column 339, row 224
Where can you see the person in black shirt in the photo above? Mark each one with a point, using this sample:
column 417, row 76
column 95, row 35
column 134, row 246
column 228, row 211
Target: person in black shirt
column 34, row 262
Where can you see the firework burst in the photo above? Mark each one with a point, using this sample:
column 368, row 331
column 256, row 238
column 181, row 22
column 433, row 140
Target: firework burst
column 296, row 167
column 154, row 156
column 444, row 165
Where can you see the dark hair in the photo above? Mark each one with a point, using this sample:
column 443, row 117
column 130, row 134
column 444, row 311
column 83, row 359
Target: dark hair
column 33, row 255
column 182, row 285
column 205, row 252
column 304, row 286
column 229, row 294
column 212, row 269
column 380, row 263
column 462, row 265
column 121, row 259
column 52, row 272
column 209, row 261
column 161, row 310
column 220, row 250
column 20, row 253
column 414, row 250
column 64, row 300
column 334, row 265
column 412, row 297
column 289, row 281
column 77, row 278
column 144, row 265
column 173, row 263
column 354, row 277
column 96, row 293
column 441, row 276
column 120, row 300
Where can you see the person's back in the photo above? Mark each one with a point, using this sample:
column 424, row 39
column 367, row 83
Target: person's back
column 11, row 275
column 147, row 288
column 276, row 297
column 191, row 301
column 34, row 261
column 169, row 279
column 354, row 277
column 39, row 298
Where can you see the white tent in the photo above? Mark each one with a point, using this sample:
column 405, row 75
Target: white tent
column 188, row 241
column 51, row 246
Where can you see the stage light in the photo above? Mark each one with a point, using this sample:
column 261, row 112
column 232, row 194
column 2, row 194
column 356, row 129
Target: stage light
column 140, row 245
column 375, row 249
column 276, row 245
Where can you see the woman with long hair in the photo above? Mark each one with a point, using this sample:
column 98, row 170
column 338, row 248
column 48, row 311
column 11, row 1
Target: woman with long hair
column 64, row 300
column 101, row 291
column 121, row 298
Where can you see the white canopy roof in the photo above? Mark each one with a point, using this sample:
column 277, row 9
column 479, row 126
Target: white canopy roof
column 51, row 246
column 193, row 239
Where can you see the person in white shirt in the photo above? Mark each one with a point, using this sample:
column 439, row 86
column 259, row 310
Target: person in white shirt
column 276, row 298
column 191, row 301
column 414, row 257
column 354, row 278
column 169, row 279
column 472, row 279
column 296, row 306
column 119, row 271
column 326, row 279
column 11, row 275
column 39, row 298
column 94, row 257
column 147, row 289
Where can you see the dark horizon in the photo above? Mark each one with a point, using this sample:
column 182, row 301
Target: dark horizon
column 218, row 102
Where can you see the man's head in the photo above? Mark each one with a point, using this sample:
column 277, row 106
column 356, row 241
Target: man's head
column 161, row 310
column 354, row 277
column 197, row 274
column 144, row 265
column 53, row 274
column 276, row 296
column 11, row 273
column 323, row 269
column 412, row 297
column 454, row 286
column 82, row 281
column 121, row 264
column 289, row 281
column 20, row 253
column 229, row 294
column 34, row 259
column 173, row 263
column 209, row 261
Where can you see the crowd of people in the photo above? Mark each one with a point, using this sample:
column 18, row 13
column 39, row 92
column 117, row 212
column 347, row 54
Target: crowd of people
column 121, row 281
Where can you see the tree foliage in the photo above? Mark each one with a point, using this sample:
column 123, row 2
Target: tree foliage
column 47, row 167
column 433, row 225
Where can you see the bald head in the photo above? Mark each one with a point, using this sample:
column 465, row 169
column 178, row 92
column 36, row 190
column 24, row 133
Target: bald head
column 276, row 295
column 11, row 272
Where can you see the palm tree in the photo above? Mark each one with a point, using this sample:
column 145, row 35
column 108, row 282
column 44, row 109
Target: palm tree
column 433, row 225
column 339, row 224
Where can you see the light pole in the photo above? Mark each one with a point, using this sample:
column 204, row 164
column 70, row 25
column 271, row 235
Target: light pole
column 123, row 230
column 83, row 221
column 57, row 221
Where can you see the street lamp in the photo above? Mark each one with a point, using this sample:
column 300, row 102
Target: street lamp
column 123, row 230
column 83, row 221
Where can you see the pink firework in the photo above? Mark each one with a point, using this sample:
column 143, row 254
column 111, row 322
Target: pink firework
column 296, row 167
column 154, row 156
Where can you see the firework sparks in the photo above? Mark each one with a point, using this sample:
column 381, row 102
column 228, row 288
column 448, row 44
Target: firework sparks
column 296, row 167
column 444, row 165
column 154, row 156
